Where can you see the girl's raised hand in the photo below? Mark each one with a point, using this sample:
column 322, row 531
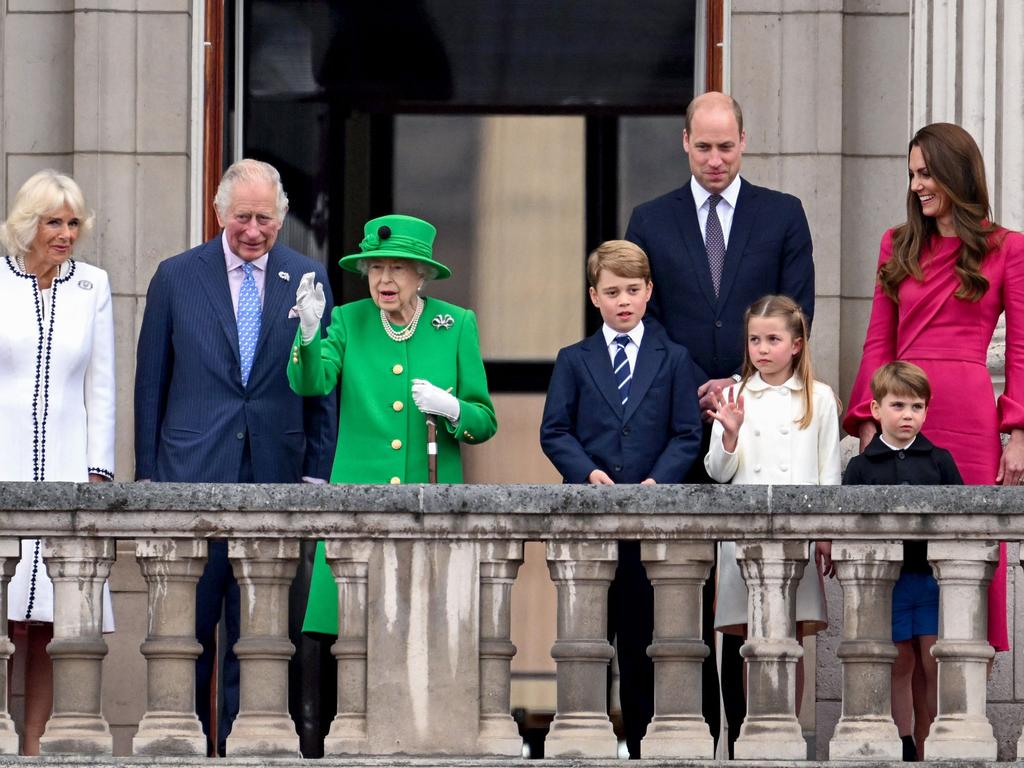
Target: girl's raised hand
column 729, row 413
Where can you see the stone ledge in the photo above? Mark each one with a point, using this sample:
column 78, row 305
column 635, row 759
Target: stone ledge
column 546, row 512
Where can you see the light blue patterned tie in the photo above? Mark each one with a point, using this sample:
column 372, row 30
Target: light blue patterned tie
column 620, row 365
column 248, row 320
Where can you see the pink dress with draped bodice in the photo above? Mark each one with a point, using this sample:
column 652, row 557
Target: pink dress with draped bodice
column 949, row 337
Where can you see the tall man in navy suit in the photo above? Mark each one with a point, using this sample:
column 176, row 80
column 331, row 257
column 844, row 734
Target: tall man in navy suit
column 212, row 401
column 622, row 408
column 716, row 245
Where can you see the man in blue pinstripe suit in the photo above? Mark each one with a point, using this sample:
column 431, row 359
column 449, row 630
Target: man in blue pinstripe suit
column 212, row 401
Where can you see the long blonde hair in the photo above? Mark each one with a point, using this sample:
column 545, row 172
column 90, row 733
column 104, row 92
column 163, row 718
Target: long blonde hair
column 789, row 311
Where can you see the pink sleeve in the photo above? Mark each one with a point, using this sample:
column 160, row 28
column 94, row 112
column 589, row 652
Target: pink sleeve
column 879, row 348
column 1011, row 402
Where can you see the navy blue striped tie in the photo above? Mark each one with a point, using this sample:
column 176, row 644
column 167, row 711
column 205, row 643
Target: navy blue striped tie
column 623, row 374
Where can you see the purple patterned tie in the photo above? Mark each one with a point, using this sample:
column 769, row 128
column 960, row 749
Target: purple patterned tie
column 714, row 242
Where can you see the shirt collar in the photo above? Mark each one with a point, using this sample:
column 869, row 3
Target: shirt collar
column 636, row 335
column 730, row 194
column 234, row 261
column 892, row 447
column 756, row 384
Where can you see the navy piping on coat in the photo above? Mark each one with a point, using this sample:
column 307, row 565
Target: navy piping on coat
column 100, row 471
column 41, row 388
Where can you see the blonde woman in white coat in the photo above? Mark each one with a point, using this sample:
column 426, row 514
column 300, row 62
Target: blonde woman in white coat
column 57, row 409
column 776, row 426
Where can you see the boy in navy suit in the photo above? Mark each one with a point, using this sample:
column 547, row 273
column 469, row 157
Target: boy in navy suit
column 622, row 408
column 900, row 455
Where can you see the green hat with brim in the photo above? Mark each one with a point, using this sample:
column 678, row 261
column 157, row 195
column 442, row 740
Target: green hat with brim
column 397, row 237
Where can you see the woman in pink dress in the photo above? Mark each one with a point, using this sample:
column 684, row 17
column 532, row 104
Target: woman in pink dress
column 944, row 277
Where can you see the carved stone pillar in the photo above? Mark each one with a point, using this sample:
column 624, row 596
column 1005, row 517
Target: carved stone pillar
column 171, row 568
column 582, row 572
column 678, row 570
column 772, row 571
column 264, row 569
column 78, row 568
column 349, row 562
column 499, row 564
column 10, row 552
column 867, row 570
column 961, row 730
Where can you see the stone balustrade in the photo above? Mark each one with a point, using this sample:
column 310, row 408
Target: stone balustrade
column 425, row 574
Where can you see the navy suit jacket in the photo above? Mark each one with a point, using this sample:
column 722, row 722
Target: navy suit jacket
column 769, row 251
column 585, row 427
column 192, row 413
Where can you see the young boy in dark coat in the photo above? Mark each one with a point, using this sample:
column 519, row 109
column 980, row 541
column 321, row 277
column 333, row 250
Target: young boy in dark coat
column 900, row 455
column 622, row 408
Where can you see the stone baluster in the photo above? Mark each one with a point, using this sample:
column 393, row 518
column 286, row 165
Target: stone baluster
column 772, row 571
column 867, row 571
column 171, row 568
column 78, row 568
column 582, row 572
column 349, row 563
column 961, row 730
column 678, row 570
column 10, row 553
column 499, row 564
column 264, row 569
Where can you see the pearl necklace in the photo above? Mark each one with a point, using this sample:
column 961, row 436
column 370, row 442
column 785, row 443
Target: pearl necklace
column 409, row 330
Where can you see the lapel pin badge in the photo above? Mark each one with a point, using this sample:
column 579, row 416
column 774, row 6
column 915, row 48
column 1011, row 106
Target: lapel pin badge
column 285, row 276
column 443, row 321
column 85, row 285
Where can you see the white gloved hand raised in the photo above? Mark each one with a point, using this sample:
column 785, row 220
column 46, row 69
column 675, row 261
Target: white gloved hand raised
column 434, row 400
column 309, row 306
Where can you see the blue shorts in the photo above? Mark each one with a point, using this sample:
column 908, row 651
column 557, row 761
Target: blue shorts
column 915, row 606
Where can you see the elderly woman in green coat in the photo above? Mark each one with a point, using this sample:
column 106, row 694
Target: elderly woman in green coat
column 398, row 358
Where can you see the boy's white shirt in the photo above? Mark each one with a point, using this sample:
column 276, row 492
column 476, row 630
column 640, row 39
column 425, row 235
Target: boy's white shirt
column 772, row 449
column 636, row 335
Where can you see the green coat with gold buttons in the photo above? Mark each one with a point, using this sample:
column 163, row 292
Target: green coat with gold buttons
column 382, row 436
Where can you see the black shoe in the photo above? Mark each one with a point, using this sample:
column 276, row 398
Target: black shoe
column 909, row 749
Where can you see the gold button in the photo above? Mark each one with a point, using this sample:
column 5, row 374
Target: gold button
column 396, row 444
column 397, row 369
column 398, row 405
column 396, row 480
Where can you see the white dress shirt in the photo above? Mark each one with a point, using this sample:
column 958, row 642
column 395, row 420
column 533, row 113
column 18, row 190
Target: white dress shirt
column 636, row 336
column 726, row 206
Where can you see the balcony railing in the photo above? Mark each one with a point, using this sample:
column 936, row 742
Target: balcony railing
column 425, row 574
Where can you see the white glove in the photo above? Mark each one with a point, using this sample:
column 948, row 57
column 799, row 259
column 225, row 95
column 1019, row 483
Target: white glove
column 309, row 306
column 434, row 400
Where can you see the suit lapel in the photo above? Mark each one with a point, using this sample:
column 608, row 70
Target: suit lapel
column 742, row 224
column 214, row 281
column 278, row 296
column 649, row 360
column 599, row 365
column 689, row 233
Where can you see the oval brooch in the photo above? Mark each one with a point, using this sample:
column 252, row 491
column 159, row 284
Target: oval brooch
column 85, row 285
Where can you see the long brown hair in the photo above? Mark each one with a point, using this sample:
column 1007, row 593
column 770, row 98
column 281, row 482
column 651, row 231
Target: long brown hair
column 789, row 311
column 956, row 166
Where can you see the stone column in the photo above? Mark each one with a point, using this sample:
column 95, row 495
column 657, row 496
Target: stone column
column 171, row 568
column 78, row 568
column 499, row 564
column 264, row 569
column 349, row 562
column 772, row 571
column 10, row 552
column 867, row 571
column 961, row 730
column 582, row 572
column 678, row 570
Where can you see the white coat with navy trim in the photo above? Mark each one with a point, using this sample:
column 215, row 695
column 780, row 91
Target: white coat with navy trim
column 57, row 400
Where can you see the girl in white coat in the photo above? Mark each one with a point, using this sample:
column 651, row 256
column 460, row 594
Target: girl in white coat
column 777, row 425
